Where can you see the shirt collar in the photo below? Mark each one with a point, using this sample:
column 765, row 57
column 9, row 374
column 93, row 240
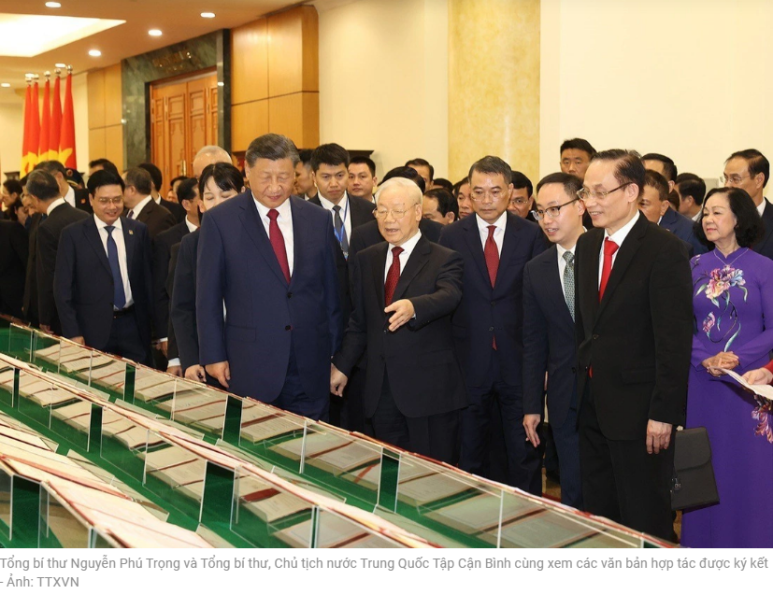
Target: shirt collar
column 54, row 204
column 191, row 226
column 500, row 223
column 283, row 209
column 70, row 196
column 140, row 205
column 157, row 199
column 619, row 236
column 761, row 207
column 328, row 205
column 562, row 250
column 408, row 245
column 101, row 224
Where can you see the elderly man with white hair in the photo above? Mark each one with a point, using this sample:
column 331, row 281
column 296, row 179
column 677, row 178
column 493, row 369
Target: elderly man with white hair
column 208, row 155
column 404, row 292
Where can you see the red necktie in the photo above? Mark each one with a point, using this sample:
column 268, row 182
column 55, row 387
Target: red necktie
column 278, row 243
column 491, row 253
column 610, row 247
column 392, row 276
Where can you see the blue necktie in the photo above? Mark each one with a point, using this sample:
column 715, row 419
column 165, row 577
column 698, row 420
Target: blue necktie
column 119, row 297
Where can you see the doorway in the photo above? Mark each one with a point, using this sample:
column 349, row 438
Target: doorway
column 183, row 118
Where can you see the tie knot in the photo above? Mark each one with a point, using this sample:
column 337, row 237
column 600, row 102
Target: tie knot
column 109, row 229
column 396, row 251
column 569, row 257
column 610, row 247
column 273, row 214
column 491, row 229
column 337, row 208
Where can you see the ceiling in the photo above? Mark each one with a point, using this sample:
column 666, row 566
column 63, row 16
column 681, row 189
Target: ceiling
column 177, row 19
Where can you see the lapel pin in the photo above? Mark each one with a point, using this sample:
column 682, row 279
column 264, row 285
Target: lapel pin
column 131, row 232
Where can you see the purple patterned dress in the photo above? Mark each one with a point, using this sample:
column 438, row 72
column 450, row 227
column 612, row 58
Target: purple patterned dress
column 733, row 299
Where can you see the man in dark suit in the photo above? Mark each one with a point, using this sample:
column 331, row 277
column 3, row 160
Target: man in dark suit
column 157, row 180
column 103, row 282
column 43, row 187
column 549, row 345
column 75, row 197
column 634, row 326
column 404, row 294
column 140, row 205
column 495, row 245
column 750, row 170
column 655, row 206
column 162, row 252
column 271, row 260
column 30, row 299
column 14, row 251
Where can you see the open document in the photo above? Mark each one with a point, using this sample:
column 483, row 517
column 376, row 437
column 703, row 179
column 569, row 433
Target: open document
column 766, row 391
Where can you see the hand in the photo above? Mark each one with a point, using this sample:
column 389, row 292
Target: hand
column 163, row 347
column 47, row 328
column 758, row 376
column 337, row 381
column 658, row 436
column 197, row 374
column 723, row 360
column 530, row 423
column 175, row 370
column 78, row 340
column 220, row 371
column 403, row 312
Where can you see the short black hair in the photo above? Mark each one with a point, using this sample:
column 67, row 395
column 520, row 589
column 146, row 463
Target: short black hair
column 12, row 214
column 305, row 157
column 756, row 162
column 749, row 229
column 273, row 147
column 520, row 181
column 572, row 184
column 104, row 177
column 655, row 180
column 155, row 174
column 225, row 176
column 367, row 161
column 42, row 185
column 458, row 186
column 12, row 186
column 104, row 164
column 445, row 201
column 691, row 185
column 491, row 164
column 187, row 189
column 629, row 169
column 444, row 183
column 53, row 166
column 408, row 173
column 329, row 154
column 578, row 144
column 176, row 179
column 419, row 162
column 140, row 179
column 669, row 167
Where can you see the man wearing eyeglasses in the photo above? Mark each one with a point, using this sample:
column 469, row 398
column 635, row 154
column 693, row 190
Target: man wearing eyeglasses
column 549, row 344
column 495, row 245
column 405, row 290
column 102, row 284
column 522, row 197
column 750, row 171
column 634, row 324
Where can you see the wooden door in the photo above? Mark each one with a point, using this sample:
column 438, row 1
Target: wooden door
column 183, row 119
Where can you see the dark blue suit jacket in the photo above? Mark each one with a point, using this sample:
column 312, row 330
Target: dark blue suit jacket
column 83, row 282
column 765, row 246
column 486, row 312
column 683, row 228
column 549, row 342
column 266, row 317
column 183, row 302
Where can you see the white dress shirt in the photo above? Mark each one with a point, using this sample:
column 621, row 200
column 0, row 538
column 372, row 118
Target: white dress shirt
column 54, row 204
column 346, row 213
column 404, row 255
column 562, row 264
column 191, row 226
column 761, row 207
column 70, row 196
column 285, row 222
column 697, row 216
column 122, row 261
column 140, row 205
column 499, row 232
column 618, row 237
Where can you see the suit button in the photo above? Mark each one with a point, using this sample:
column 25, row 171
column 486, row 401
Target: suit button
column 595, row 336
column 491, row 329
column 289, row 295
column 587, row 368
column 574, row 370
column 288, row 327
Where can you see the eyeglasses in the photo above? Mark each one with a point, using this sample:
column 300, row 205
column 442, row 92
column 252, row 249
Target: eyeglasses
column 396, row 214
column 106, row 201
column 551, row 211
column 586, row 194
column 734, row 179
column 496, row 194
column 519, row 201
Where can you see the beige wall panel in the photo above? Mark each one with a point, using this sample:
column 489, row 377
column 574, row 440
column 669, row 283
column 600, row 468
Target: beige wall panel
column 310, row 33
column 96, row 88
column 310, row 105
column 249, row 62
column 285, row 53
column 297, row 117
column 114, row 145
column 248, row 121
column 96, row 143
column 113, row 99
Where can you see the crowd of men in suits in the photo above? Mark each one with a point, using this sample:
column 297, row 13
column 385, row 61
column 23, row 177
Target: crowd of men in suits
column 441, row 318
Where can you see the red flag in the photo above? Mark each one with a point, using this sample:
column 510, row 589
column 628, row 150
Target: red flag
column 45, row 124
column 34, row 125
column 56, row 122
column 26, row 167
column 67, row 139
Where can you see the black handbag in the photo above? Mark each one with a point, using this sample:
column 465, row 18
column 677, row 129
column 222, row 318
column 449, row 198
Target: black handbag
column 693, row 483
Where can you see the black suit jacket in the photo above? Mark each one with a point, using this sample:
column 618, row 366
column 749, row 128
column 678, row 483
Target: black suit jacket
column 82, row 201
column 424, row 375
column 183, row 310
column 155, row 217
column 48, row 235
column 14, row 251
column 638, row 339
column 368, row 234
column 84, row 282
column 549, row 343
column 30, row 300
column 684, row 229
column 765, row 246
column 162, row 253
column 487, row 312
column 178, row 212
column 172, row 352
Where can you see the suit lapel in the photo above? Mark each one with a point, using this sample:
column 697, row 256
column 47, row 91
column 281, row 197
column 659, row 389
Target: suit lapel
column 554, row 287
column 299, row 219
column 767, row 219
column 92, row 236
column 253, row 226
column 130, row 242
column 378, row 267
column 472, row 236
column 509, row 246
column 624, row 257
column 588, row 282
column 415, row 263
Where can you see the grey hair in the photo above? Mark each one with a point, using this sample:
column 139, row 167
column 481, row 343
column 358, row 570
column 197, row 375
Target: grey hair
column 272, row 147
column 215, row 151
column 406, row 184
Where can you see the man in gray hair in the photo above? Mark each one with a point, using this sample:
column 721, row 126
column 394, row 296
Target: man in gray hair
column 270, row 259
column 208, row 155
